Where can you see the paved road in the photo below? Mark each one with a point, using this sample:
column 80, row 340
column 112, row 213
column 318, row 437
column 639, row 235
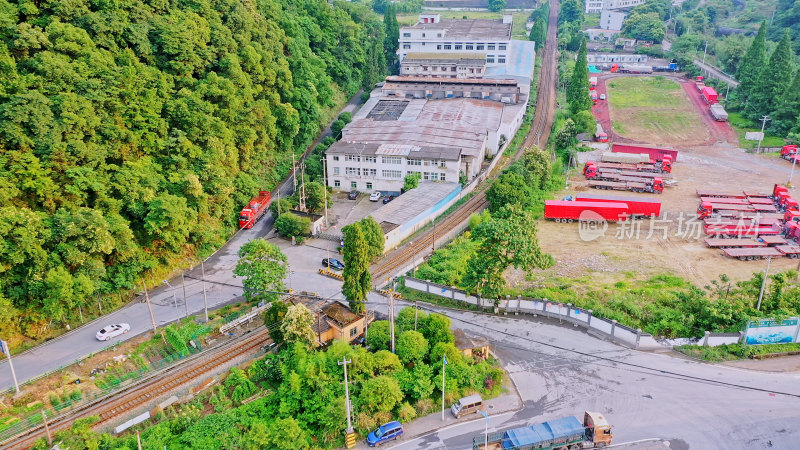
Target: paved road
column 644, row 395
column 221, row 288
column 714, row 72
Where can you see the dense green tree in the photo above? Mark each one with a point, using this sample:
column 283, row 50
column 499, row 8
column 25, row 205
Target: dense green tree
column 380, row 394
column 436, row 328
column 374, row 236
column 378, row 335
column 496, row 5
column 131, row 134
column 509, row 188
column 750, row 67
column 578, row 89
column 565, row 136
column 571, row 12
column 291, row 225
column 316, row 197
column 508, row 239
column 391, row 36
column 645, row 26
column 263, row 266
column 357, row 278
column 787, row 110
column 406, row 316
column 416, row 382
column 773, row 81
column 273, row 317
column 411, row 346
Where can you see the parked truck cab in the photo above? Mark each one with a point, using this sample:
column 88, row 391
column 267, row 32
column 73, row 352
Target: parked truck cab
column 666, row 164
column 589, row 170
column 792, row 231
column 704, row 210
column 658, row 185
column 598, row 430
column 791, row 205
column 777, row 190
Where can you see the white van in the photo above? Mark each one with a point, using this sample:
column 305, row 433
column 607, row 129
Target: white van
column 467, row 405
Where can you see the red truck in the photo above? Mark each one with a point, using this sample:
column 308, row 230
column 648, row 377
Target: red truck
column 789, row 152
column 709, row 95
column 733, row 243
column 567, row 211
column 656, row 154
column 699, row 83
column 737, row 201
column 656, row 185
column 637, row 207
column 666, row 167
column 254, row 210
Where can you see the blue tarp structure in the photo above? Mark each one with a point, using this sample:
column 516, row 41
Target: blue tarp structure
column 543, row 432
column 594, row 69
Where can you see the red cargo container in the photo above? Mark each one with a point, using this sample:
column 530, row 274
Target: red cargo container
column 254, row 210
column 656, row 154
column 709, row 95
column 636, row 206
column 566, row 211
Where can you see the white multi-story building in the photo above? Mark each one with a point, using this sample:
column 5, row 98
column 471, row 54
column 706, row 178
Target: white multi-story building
column 612, row 20
column 595, row 6
column 491, row 39
column 383, row 167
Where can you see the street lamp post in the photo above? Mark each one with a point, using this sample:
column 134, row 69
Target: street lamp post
column 763, row 284
column 791, row 174
column 174, row 299
column 7, row 350
column 185, row 300
column 205, row 300
column 486, row 430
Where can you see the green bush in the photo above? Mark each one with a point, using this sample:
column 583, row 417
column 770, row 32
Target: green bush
column 290, row 225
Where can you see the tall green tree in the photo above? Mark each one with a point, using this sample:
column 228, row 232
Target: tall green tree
column 273, row 318
column 373, row 234
column 392, row 36
column 263, row 266
column 508, row 239
column 509, row 189
column 787, row 110
column 357, row 279
column 752, row 63
column 774, row 79
column 539, row 33
column 496, row 5
column 578, row 97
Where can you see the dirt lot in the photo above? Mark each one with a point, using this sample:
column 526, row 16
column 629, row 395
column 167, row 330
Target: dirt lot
column 717, row 165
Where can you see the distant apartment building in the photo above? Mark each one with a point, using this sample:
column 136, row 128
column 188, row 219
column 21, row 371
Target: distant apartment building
column 593, row 6
column 444, row 65
column 486, row 38
column 612, row 20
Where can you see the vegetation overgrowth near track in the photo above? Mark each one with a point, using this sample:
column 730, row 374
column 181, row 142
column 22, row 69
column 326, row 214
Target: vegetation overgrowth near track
column 132, row 132
column 736, row 351
column 295, row 399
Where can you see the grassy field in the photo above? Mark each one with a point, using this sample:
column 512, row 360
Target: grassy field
column 654, row 110
column 742, row 126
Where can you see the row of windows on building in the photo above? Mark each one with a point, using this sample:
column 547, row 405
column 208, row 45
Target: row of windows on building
column 396, row 160
column 391, row 174
column 464, row 46
column 446, row 69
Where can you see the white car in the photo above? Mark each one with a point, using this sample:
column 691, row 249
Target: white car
column 602, row 96
column 111, row 331
column 375, row 196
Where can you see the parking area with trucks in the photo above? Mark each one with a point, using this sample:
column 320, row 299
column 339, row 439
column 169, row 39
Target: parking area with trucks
column 738, row 186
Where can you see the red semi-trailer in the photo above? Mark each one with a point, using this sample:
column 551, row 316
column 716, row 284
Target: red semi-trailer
column 641, row 167
column 254, row 210
column 709, row 95
column 656, row 154
column 733, row 243
column 749, row 254
column 567, row 211
column 637, row 207
column 737, row 201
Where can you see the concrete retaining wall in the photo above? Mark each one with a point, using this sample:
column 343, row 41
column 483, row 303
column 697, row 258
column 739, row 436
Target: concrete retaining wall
column 580, row 317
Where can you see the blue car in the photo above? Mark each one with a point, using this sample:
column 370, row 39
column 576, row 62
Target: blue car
column 385, row 432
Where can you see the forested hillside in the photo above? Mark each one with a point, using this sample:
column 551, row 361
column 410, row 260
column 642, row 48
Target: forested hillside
column 132, row 131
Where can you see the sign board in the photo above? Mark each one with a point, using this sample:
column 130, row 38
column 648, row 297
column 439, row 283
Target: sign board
column 754, row 136
column 768, row 331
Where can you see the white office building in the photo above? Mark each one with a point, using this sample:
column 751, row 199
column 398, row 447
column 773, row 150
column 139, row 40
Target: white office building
column 491, row 39
column 383, row 167
column 595, row 6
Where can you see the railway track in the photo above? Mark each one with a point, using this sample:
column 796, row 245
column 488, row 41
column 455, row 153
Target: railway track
column 393, row 262
column 110, row 408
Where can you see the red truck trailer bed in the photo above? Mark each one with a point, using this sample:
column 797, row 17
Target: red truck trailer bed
column 709, row 193
column 760, row 200
column 733, row 243
column 757, row 194
column 636, row 206
column 790, row 250
column 749, row 254
column 625, row 186
column 634, row 173
column 748, row 214
column 656, row 154
column 773, row 240
column 734, row 207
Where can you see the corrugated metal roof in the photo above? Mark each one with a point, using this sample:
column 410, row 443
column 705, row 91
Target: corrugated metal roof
column 438, row 81
column 395, row 149
column 472, row 29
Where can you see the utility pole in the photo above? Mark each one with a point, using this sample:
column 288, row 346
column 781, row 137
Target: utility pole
column 390, row 302
column 150, row 308
column 47, row 427
column 302, row 204
column 433, row 244
column 704, row 52
column 344, row 362
column 174, row 299
column 444, row 369
column 764, row 120
column 7, row 350
column 791, row 174
column 294, row 174
column 185, row 301
column 325, row 190
column 205, row 300
column 416, row 311
column 763, row 284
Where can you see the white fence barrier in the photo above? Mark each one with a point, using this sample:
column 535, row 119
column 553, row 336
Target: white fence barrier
column 556, row 310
